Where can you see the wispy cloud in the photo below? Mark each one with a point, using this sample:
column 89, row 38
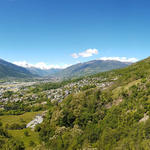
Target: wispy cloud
column 86, row 53
column 75, row 55
column 121, row 59
column 40, row 65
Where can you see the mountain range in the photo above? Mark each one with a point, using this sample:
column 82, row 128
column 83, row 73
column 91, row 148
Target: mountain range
column 9, row 70
column 43, row 72
column 90, row 67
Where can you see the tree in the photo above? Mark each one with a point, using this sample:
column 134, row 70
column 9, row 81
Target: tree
column 26, row 133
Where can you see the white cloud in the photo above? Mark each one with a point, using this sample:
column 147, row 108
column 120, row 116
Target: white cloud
column 75, row 55
column 23, row 64
column 40, row 65
column 86, row 53
column 121, row 59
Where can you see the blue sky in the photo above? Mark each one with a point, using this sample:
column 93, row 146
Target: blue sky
column 50, row 31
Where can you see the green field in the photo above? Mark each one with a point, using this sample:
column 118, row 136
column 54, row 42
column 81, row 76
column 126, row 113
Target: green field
column 19, row 134
column 26, row 117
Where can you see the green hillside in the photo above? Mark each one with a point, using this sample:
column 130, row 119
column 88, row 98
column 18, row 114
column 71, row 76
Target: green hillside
column 7, row 142
column 80, row 69
column 116, row 118
column 89, row 68
column 9, row 70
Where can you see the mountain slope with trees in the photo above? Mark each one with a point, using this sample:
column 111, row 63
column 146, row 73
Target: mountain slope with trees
column 9, row 70
column 90, row 67
column 115, row 118
column 80, row 69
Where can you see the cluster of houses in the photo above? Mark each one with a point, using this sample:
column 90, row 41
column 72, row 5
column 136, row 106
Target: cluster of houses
column 75, row 87
column 13, row 87
column 54, row 94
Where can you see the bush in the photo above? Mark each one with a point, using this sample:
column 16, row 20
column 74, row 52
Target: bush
column 37, row 128
column 26, row 133
column 32, row 144
column 16, row 126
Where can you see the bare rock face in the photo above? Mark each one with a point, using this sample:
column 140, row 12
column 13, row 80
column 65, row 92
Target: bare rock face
column 37, row 120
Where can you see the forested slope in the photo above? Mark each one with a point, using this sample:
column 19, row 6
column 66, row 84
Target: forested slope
column 9, row 70
column 116, row 118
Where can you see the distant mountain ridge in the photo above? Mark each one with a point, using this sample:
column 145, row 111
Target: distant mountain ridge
column 80, row 69
column 9, row 70
column 43, row 72
column 91, row 67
